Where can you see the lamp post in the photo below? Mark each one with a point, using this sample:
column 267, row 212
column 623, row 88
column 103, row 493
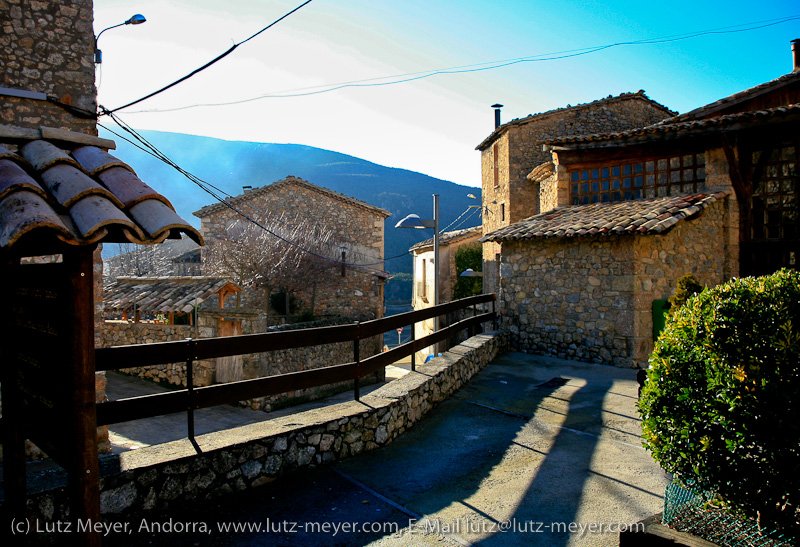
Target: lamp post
column 137, row 19
column 413, row 221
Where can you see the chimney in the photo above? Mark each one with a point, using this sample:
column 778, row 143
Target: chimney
column 796, row 55
column 497, row 108
column 246, row 189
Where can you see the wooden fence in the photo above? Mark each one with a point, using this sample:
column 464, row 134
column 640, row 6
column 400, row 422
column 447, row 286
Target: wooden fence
column 188, row 351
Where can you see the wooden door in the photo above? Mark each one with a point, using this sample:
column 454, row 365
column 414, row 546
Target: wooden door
column 229, row 369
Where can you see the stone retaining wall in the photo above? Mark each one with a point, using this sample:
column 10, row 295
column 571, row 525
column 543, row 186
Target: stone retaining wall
column 165, row 477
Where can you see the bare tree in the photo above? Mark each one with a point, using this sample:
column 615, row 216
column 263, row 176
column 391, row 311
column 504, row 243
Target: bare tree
column 138, row 261
column 276, row 253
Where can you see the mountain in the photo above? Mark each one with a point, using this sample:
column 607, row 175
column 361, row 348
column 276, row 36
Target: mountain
column 230, row 165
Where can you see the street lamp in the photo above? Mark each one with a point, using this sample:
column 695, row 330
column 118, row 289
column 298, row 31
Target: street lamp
column 137, row 19
column 413, row 221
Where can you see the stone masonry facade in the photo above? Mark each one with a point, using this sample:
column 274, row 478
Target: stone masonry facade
column 514, row 149
column 168, row 476
column 46, row 46
column 354, row 224
column 590, row 298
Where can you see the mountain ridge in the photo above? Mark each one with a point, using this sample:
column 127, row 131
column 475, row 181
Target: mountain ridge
column 230, row 165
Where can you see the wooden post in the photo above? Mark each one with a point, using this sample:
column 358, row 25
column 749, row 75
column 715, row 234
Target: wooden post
column 14, row 474
column 357, row 359
column 83, row 483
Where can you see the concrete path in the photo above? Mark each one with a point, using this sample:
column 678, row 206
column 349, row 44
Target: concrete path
column 533, row 451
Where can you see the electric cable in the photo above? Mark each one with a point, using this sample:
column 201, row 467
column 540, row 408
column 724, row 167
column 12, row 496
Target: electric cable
column 144, row 145
column 412, row 76
column 212, row 61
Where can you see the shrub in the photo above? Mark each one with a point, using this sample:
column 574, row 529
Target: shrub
column 688, row 286
column 468, row 256
column 721, row 405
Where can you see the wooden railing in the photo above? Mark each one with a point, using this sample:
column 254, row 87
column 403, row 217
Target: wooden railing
column 189, row 351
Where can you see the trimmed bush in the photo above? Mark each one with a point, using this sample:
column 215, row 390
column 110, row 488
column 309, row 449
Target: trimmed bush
column 721, row 405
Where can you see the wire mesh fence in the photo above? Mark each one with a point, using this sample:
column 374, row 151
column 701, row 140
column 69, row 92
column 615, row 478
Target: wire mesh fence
column 694, row 512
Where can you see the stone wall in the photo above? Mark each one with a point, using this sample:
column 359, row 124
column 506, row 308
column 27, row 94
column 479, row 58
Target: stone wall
column 122, row 333
column 570, row 298
column 706, row 247
column 164, row 477
column 47, row 46
column 590, row 298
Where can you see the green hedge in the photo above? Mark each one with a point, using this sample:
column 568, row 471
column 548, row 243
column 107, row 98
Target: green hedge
column 721, row 405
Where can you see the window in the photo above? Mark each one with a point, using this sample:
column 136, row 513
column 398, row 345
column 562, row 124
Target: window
column 502, row 212
column 645, row 178
column 773, row 203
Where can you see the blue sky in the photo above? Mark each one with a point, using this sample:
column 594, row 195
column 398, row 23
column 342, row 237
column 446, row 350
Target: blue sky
column 430, row 125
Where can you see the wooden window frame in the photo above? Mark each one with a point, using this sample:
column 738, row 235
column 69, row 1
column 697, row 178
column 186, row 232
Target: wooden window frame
column 647, row 177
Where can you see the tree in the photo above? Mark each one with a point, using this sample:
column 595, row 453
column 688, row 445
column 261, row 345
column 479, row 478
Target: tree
column 468, row 256
column 276, row 253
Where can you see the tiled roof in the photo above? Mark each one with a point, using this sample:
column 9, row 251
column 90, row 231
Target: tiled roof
column 645, row 216
column 446, row 238
column 162, row 294
column 598, row 103
column 667, row 129
column 78, row 195
column 739, row 97
column 541, row 172
column 216, row 207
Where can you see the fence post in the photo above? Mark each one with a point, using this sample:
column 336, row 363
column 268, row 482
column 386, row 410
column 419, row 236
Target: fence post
column 357, row 359
column 413, row 354
column 494, row 312
column 190, row 388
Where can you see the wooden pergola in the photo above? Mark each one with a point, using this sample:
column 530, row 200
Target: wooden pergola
column 168, row 295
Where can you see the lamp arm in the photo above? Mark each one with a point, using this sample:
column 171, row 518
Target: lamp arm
column 96, row 38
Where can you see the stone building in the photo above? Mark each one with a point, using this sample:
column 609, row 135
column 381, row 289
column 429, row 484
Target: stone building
column 712, row 192
column 515, row 148
column 355, row 228
column 424, row 270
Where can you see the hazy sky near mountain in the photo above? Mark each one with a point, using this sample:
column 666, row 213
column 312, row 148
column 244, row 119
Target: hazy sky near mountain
column 431, row 125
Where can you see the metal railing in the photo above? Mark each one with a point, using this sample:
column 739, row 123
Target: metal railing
column 189, row 351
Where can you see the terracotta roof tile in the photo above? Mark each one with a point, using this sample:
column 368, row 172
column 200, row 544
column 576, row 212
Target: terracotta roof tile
column 49, row 196
column 644, row 216
column 731, row 100
column 667, row 127
column 162, row 294
column 640, row 95
column 446, row 238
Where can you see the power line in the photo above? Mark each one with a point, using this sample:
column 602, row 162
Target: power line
column 253, row 209
column 211, row 62
column 144, row 145
column 478, row 67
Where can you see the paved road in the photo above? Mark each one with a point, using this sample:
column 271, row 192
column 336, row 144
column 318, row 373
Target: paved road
column 531, row 443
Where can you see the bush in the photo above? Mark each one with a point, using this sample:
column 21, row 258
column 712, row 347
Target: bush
column 721, row 405
column 687, row 288
column 277, row 302
column 468, row 256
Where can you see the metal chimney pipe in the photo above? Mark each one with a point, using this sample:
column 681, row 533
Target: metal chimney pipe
column 497, row 108
column 796, row 55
